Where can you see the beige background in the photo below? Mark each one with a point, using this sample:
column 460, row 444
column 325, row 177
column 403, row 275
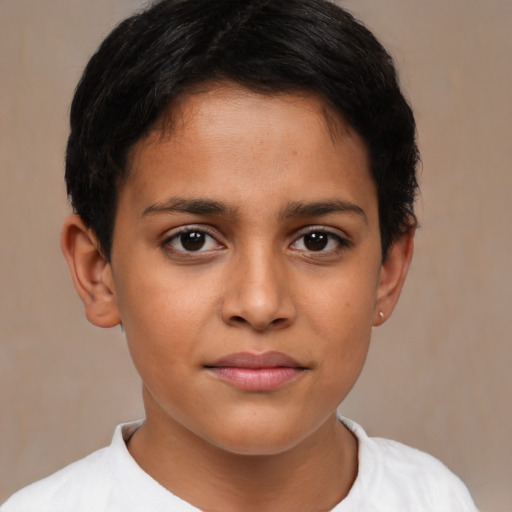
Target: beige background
column 438, row 375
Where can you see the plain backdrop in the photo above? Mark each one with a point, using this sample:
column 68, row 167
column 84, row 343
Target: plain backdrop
column 438, row 373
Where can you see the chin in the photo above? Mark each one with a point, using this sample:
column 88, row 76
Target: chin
column 258, row 438
column 256, row 447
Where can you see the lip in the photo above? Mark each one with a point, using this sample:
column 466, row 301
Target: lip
column 256, row 372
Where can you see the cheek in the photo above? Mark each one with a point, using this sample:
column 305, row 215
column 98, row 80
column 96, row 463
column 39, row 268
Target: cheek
column 163, row 316
column 341, row 315
column 342, row 305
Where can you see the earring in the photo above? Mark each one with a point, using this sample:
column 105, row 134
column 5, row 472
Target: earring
column 381, row 314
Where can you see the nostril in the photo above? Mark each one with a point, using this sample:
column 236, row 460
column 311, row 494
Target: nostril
column 259, row 326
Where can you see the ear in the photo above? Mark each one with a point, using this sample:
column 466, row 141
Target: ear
column 392, row 276
column 91, row 273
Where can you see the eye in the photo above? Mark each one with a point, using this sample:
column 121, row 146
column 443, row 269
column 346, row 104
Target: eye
column 318, row 240
column 192, row 240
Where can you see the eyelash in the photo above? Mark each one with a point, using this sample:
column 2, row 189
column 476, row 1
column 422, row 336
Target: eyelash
column 177, row 236
column 342, row 243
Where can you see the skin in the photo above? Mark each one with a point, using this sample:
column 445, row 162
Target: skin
column 255, row 286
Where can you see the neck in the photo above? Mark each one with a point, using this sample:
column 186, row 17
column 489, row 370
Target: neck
column 313, row 475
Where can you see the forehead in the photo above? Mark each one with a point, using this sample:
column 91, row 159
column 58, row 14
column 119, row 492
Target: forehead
column 228, row 141
column 208, row 100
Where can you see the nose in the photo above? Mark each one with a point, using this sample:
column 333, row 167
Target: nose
column 258, row 293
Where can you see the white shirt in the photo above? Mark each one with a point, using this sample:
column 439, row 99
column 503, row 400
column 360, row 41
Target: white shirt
column 391, row 478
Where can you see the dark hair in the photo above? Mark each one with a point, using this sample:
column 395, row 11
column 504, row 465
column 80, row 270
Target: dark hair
column 267, row 46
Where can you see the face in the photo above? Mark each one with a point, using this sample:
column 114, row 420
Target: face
column 245, row 267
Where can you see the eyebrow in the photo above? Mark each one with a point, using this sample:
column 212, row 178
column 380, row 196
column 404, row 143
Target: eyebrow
column 211, row 207
column 192, row 206
column 321, row 208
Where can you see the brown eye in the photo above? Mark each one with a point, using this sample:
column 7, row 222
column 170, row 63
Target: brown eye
column 316, row 241
column 320, row 241
column 192, row 240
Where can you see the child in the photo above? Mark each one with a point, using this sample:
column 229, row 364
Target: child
column 243, row 177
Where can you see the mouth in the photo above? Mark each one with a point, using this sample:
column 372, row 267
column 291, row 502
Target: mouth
column 256, row 372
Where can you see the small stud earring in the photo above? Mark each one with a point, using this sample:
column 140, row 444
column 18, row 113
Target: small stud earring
column 381, row 314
